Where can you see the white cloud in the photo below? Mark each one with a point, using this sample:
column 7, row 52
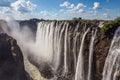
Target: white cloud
column 4, row 3
column 55, row 14
column 71, row 11
column 23, row 6
column 81, row 11
column 61, row 10
column 92, row 13
column 72, row 8
column 6, row 10
column 80, row 5
column 65, row 4
column 17, row 9
column 106, row 15
column 96, row 5
column 44, row 13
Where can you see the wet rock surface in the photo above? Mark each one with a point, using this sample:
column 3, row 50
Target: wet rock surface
column 11, row 60
column 102, row 47
column 44, row 68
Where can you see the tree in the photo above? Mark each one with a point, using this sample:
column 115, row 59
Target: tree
column 109, row 25
column 77, row 19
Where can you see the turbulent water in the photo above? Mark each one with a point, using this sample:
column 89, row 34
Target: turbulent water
column 112, row 64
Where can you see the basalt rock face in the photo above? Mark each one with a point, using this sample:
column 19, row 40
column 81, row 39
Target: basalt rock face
column 101, row 50
column 11, row 60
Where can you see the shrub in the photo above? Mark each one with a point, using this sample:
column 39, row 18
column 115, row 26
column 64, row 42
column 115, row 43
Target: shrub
column 77, row 19
column 109, row 25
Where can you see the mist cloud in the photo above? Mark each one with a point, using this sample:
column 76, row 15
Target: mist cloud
column 25, row 39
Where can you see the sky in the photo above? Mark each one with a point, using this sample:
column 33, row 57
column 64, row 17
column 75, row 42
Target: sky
column 60, row 9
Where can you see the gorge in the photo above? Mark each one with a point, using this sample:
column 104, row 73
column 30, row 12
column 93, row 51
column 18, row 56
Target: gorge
column 66, row 50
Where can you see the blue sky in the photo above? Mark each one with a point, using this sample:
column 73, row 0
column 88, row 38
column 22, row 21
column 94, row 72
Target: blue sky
column 60, row 9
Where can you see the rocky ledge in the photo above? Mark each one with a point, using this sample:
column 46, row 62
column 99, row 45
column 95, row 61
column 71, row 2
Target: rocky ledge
column 11, row 60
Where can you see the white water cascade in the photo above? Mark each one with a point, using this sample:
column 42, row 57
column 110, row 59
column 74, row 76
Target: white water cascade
column 79, row 75
column 112, row 63
column 75, row 45
column 49, row 40
column 44, row 40
column 65, row 52
column 91, row 48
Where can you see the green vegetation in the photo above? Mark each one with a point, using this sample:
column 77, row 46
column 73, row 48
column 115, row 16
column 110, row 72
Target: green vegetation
column 37, row 20
column 75, row 20
column 79, row 18
column 110, row 25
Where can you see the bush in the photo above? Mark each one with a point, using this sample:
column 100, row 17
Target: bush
column 109, row 25
column 77, row 19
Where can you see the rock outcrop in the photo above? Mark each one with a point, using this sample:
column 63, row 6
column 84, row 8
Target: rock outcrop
column 100, row 53
column 11, row 60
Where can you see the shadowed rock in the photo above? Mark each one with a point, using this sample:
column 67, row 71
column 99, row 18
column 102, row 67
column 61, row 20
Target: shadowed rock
column 11, row 60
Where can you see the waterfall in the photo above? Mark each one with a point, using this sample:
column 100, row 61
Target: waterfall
column 44, row 40
column 57, row 40
column 65, row 52
column 79, row 75
column 49, row 40
column 101, row 24
column 75, row 45
column 91, row 48
column 112, row 63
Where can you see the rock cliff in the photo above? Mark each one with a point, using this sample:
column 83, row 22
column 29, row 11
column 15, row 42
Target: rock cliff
column 11, row 60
